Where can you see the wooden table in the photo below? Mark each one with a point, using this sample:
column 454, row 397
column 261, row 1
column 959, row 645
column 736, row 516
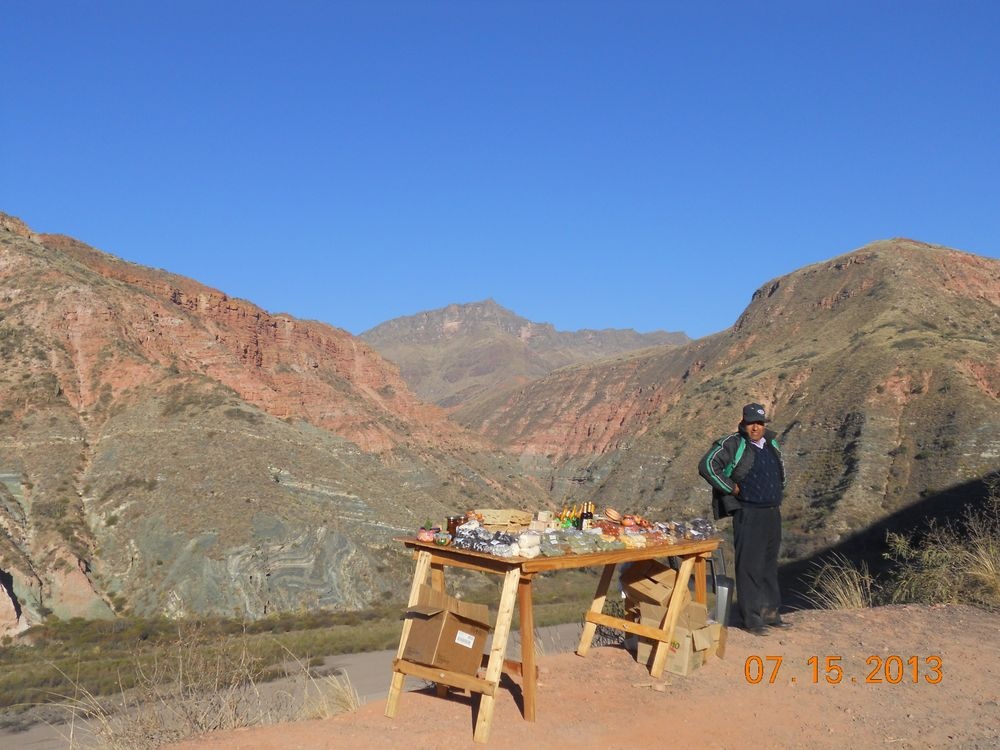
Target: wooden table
column 518, row 573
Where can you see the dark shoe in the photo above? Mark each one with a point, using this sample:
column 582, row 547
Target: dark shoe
column 758, row 630
column 779, row 623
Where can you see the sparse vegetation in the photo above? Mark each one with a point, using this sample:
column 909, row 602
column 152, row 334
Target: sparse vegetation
column 195, row 397
column 198, row 684
column 952, row 562
column 129, row 485
column 326, row 696
column 100, row 655
column 95, row 660
column 838, row 583
column 185, row 689
column 244, row 415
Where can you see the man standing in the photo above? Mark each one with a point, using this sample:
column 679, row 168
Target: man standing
column 747, row 477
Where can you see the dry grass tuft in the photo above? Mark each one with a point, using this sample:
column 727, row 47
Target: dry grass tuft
column 195, row 686
column 326, row 696
column 950, row 563
column 540, row 648
column 187, row 689
column 839, row 584
column 983, row 564
column 330, row 695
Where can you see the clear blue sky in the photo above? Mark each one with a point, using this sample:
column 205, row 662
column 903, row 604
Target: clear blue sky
column 621, row 164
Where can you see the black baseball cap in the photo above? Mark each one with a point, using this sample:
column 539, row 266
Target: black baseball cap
column 754, row 413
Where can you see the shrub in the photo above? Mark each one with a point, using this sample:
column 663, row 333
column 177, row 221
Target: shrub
column 954, row 562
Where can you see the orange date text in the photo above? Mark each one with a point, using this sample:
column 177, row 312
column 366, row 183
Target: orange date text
column 878, row 670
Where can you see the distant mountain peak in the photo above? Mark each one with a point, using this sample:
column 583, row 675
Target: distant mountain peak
column 463, row 351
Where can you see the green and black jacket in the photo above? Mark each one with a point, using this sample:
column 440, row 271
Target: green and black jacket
column 725, row 465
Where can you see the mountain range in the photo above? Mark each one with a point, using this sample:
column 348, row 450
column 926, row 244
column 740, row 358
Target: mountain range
column 168, row 449
column 457, row 354
column 881, row 369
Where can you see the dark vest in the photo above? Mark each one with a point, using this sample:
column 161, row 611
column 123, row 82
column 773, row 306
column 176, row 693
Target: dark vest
column 761, row 487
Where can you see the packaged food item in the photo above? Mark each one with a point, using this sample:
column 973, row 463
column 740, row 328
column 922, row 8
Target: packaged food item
column 529, row 539
column 633, row 532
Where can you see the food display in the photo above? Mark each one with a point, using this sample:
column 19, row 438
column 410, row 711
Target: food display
column 577, row 530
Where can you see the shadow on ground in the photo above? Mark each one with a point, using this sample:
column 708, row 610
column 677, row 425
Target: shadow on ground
column 869, row 545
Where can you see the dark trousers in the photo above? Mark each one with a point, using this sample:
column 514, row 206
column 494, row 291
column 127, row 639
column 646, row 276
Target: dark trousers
column 757, row 537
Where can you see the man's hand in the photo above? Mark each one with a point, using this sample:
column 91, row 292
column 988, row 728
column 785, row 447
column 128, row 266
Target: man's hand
column 736, row 488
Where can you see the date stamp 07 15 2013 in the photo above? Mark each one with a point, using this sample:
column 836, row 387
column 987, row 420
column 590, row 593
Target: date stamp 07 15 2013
column 890, row 670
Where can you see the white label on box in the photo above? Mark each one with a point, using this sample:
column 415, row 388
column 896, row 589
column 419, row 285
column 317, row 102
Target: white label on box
column 465, row 639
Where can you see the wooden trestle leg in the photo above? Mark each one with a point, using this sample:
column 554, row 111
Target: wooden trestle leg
column 677, row 602
column 505, row 613
column 437, row 583
column 528, row 674
column 700, row 580
column 419, row 578
column 590, row 628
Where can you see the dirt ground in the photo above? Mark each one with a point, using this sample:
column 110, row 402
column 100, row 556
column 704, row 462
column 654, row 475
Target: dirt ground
column 607, row 700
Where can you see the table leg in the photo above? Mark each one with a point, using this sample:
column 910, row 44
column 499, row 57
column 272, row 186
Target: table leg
column 419, row 578
column 505, row 613
column 700, row 574
column 437, row 576
column 437, row 583
column 529, row 677
column 661, row 648
column 590, row 628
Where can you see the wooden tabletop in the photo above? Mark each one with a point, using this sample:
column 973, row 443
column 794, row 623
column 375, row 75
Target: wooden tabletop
column 480, row 561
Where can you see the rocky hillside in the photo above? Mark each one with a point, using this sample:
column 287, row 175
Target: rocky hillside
column 168, row 449
column 881, row 368
column 461, row 353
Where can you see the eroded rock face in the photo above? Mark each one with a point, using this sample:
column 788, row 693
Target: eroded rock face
column 40, row 574
column 287, row 367
column 150, row 427
column 585, row 410
column 12, row 619
column 71, row 593
column 165, row 449
column 278, row 569
column 881, row 369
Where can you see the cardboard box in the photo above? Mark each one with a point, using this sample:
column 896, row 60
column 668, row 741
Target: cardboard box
column 446, row 632
column 647, row 591
column 633, row 571
column 651, row 615
column 652, row 585
column 692, row 640
column 661, row 573
column 720, row 649
column 693, row 616
column 682, row 658
column 718, row 645
column 702, row 638
column 651, row 569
